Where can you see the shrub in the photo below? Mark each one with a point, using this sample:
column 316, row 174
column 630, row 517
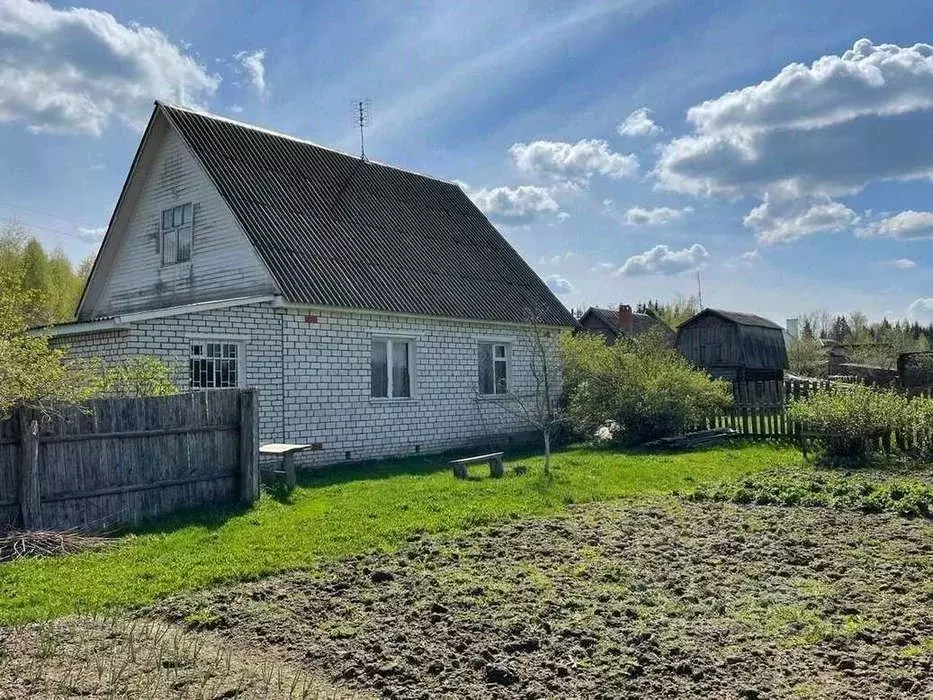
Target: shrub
column 850, row 419
column 642, row 388
column 917, row 427
column 139, row 376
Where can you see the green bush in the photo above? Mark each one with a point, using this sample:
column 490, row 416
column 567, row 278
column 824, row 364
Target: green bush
column 917, row 427
column 795, row 487
column 141, row 375
column 850, row 419
column 641, row 388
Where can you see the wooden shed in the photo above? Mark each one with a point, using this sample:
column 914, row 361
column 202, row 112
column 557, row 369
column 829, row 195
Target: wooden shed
column 733, row 345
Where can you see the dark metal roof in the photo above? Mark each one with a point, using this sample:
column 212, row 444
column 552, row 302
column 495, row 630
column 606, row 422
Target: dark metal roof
column 335, row 230
column 640, row 322
column 740, row 318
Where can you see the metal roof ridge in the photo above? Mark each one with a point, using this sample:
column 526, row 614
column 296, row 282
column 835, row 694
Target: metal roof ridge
column 297, row 139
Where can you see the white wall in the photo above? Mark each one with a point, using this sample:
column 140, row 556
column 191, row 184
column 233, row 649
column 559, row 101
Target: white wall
column 324, row 393
column 223, row 264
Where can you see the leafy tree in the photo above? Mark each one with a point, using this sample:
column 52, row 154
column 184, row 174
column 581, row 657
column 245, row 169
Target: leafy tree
column 142, row 375
column 31, row 372
column 51, row 275
column 641, row 388
column 673, row 313
column 806, row 356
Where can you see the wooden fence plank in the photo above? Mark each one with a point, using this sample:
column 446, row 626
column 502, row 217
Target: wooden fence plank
column 121, row 461
column 249, row 447
column 29, row 481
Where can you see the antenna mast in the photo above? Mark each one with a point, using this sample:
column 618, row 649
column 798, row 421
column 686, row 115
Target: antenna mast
column 363, row 120
column 699, row 291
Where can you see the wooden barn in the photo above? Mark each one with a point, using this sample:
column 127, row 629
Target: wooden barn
column 732, row 345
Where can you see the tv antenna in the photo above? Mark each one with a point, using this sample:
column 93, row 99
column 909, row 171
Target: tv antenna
column 362, row 110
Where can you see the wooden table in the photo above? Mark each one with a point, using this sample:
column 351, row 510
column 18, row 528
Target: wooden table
column 287, row 451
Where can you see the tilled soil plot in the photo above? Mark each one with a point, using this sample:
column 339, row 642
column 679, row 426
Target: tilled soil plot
column 613, row 600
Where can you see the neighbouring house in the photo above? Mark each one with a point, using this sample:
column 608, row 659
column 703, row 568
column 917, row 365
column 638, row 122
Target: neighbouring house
column 623, row 323
column 736, row 346
column 376, row 310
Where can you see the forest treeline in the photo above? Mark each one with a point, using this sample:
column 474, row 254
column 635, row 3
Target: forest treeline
column 48, row 275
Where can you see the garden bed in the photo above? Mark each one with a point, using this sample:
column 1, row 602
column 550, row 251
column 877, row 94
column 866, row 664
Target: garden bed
column 662, row 599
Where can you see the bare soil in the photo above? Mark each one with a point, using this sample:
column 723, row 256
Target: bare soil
column 655, row 599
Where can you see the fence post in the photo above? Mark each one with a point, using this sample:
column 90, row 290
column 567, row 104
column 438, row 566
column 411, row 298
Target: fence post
column 29, row 495
column 249, row 446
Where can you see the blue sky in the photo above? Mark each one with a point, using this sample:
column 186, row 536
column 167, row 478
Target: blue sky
column 784, row 149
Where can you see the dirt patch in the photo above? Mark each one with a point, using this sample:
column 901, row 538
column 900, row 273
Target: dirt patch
column 654, row 600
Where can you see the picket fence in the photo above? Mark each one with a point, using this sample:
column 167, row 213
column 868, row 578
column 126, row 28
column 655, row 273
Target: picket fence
column 116, row 462
column 760, row 410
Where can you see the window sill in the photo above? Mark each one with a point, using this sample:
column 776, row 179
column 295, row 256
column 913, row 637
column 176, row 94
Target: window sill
column 392, row 399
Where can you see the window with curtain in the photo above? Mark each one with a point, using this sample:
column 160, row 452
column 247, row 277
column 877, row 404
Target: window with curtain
column 493, row 368
column 391, row 360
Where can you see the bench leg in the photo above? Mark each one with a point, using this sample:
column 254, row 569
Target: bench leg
column 460, row 471
column 288, row 463
column 495, row 468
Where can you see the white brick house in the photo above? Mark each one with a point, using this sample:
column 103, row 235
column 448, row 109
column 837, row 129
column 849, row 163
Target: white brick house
column 376, row 310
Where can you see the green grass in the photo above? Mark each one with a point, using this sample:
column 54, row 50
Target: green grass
column 345, row 511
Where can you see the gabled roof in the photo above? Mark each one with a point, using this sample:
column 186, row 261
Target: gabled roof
column 610, row 319
column 338, row 231
column 737, row 317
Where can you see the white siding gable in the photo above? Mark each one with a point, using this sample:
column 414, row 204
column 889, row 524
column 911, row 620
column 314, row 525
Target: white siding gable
column 223, row 263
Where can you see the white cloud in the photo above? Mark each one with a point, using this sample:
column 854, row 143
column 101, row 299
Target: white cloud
column 573, row 162
column 902, row 263
column 75, row 70
column 558, row 285
column 639, row 123
column 824, row 130
column 603, row 267
column 661, row 260
column 907, row 225
column 640, row 216
column 91, row 234
column 557, row 259
column 513, row 205
column 778, row 220
column 921, row 310
column 251, row 62
column 750, row 257
column 867, row 80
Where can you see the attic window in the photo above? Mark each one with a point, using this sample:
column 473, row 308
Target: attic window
column 177, row 225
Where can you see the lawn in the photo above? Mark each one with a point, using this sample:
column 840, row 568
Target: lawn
column 346, row 511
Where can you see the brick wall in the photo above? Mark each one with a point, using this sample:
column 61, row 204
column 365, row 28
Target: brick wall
column 314, row 378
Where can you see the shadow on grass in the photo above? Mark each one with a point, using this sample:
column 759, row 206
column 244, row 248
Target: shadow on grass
column 215, row 517
column 331, row 475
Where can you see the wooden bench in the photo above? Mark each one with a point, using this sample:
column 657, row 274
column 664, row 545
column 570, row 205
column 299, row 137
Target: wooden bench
column 287, row 451
column 494, row 459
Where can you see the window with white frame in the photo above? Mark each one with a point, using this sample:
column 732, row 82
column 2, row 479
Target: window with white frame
column 391, row 368
column 214, row 364
column 177, row 226
column 493, row 368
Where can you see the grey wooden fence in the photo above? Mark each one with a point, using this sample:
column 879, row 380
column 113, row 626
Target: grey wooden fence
column 115, row 462
column 760, row 410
